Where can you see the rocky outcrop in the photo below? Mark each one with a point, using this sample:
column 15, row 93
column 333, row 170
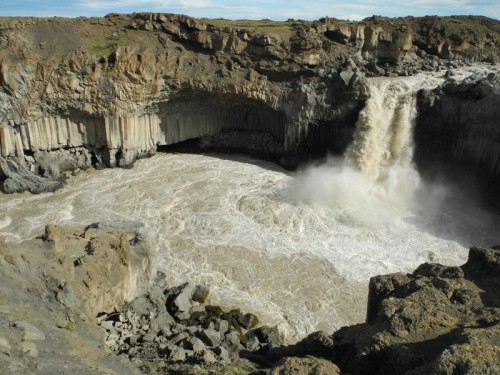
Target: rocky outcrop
column 437, row 320
column 106, row 91
column 177, row 327
column 52, row 289
column 168, row 78
column 304, row 366
column 382, row 39
column 106, row 266
column 458, row 126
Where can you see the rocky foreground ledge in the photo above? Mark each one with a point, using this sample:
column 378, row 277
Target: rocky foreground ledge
column 90, row 301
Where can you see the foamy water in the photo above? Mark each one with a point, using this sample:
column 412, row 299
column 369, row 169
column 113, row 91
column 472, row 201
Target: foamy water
column 234, row 224
column 296, row 249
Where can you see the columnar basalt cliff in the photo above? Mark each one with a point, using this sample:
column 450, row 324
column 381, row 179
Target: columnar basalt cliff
column 458, row 127
column 105, row 91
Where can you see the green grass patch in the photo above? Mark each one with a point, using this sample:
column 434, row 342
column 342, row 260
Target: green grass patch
column 103, row 51
column 110, row 44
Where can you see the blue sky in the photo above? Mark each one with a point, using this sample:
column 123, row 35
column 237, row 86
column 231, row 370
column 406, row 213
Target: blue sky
column 273, row 9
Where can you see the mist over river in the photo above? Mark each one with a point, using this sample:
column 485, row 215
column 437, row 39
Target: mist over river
column 297, row 249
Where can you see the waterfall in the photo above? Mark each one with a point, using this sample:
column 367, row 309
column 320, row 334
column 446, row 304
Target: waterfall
column 384, row 131
column 259, row 236
column 376, row 182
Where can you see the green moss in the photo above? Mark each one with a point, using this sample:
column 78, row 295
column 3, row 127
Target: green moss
column 161, row 367
column 154, row 367
column 71, row 326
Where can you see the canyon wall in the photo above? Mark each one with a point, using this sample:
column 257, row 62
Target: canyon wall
column 106, row 91
column 458, row 129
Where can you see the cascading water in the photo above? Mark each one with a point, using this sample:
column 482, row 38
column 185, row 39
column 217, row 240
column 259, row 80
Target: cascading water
column 377, row 179
column 298, row 250
column 383, row 136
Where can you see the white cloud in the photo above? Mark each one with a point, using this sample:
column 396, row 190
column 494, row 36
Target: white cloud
column 444, row 4
column 258, row 9
column 121, row 4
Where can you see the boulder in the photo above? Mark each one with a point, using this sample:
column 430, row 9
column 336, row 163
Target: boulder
column 248, row 320
column 221, row 326
column 181, row 300
column 141, row 305
column 200, row 294
column 195, row 344
column 268, row 336
column 163, row 322
column 251, row 342
column 30, row 332
column 210, row 337
column 206, row 356
column 15, row 177
column 177, row 354
column 222, row 355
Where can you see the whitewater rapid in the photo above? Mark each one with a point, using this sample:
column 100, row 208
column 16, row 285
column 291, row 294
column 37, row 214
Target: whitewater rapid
column 296, row 249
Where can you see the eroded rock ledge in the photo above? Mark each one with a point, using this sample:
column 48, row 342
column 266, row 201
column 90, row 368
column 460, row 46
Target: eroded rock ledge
column 106, row 91
column 55, row 289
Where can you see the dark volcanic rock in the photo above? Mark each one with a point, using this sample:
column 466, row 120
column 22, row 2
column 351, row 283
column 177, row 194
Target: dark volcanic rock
column 145, row 330
column 16, row 177
column 457, row 131
column 432, row 321
column 248, row 321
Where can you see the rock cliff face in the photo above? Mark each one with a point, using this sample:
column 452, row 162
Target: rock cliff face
column 458, row 126
column 53, row 287
column 105, row 91
column 393, row 40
